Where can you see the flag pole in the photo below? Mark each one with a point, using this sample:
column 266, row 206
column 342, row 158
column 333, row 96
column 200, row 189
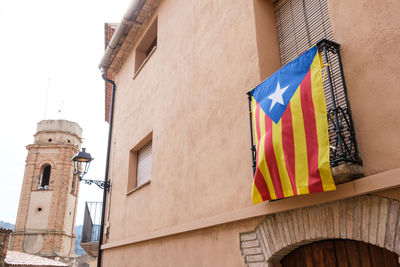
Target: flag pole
column 253, row 148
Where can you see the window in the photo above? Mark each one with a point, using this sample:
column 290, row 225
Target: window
column 140, row 162
column 301, row 24
column 45, row 178
column 146, row 46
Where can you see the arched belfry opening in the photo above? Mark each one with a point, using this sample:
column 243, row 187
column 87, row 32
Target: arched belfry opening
column 45, row 177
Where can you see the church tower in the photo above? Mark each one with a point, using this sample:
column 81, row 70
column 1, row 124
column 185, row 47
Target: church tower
column 49, row 195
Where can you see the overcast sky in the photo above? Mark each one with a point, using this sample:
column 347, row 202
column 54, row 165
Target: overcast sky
column 50, row 50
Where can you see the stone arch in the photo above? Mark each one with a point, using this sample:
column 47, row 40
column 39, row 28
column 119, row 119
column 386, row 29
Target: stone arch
column 369, row 218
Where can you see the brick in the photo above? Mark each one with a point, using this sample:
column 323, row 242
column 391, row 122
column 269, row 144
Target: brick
column 396, row 246
column 283, row 228
column 250, row 244
column 251, row 251
column 357, row 219
column 320, row 226
column 288, row 220
column 365, row 218
column 269, row 243
column 295, row 226
column 336, row 216
column 342, row 219
column 307, row 232
column 248, row 236
column 255, row 258
column 349, row 217
column 300, row 222
column 276, row 240
column 373, row 223
column 393, row 217
column 266, row 244
column 312, row 222
column 383, row 212
column 258, row 264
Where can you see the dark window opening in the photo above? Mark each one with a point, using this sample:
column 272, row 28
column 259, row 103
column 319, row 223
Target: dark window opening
column 153, row 44
column 45, row 178
column 146, row 46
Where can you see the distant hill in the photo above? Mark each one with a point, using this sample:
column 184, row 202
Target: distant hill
column 78, row 232
column 6, row 225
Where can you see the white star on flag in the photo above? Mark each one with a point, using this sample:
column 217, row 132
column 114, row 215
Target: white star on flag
column 276, row 97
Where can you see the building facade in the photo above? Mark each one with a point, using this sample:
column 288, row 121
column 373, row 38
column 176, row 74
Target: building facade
column 180, row 167
column 49, row 195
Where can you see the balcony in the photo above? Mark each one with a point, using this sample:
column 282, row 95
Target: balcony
column 346, row 164
column 91, row 227
column 345, row 160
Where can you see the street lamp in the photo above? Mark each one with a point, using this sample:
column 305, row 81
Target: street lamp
column 81, row 167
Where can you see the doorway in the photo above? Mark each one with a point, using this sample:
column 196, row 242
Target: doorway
column 340, row 252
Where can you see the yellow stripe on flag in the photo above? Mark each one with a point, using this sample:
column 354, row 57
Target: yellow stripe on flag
column 322, row 125
column 300, row 147
column 280, row 159
column 253, row 116
column 262, row 161
column 255, row 195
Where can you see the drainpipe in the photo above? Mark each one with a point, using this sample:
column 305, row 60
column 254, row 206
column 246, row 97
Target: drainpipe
column 106, row 180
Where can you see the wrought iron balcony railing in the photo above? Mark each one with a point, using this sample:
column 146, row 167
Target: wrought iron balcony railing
column 91, row 222
column 342, row 137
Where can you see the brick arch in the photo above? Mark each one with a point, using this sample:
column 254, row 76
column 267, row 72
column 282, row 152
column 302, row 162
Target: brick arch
column 368, row 218
column 46, row 162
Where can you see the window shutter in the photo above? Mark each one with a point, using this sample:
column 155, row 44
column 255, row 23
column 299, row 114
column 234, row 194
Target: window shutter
column 301, row 24
column 144, row 160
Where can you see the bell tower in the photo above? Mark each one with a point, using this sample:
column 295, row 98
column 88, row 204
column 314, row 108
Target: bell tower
column 47, row 206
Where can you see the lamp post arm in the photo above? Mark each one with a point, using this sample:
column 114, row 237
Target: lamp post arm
column 101, row 184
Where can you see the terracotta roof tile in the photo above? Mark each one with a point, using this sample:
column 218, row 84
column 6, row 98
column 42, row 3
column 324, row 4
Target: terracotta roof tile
column 20, row 258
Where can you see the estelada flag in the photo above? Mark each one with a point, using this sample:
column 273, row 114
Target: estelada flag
column 291, row 131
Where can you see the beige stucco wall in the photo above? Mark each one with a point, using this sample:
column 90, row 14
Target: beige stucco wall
column 38, row 220
column 216, row 246
column 191, row 94
column 184, row 96
column 368, row 32
column 70, row 215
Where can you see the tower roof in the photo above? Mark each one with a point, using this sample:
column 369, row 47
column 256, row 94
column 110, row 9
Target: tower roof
column 59, row 126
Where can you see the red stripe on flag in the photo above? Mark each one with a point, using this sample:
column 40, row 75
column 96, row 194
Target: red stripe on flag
column 307, row 106
column 288, row 146
column 271, row 160
column 261, row 185
column 259, row 180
